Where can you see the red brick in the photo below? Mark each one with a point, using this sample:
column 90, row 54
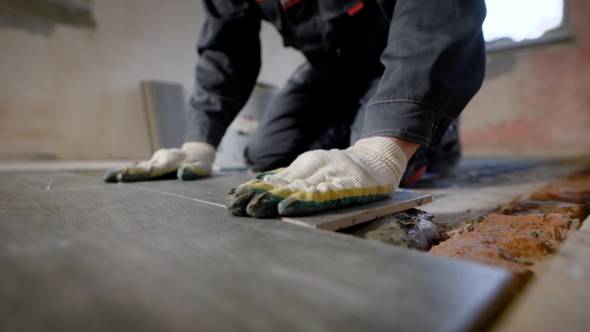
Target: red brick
column 575, row 189
column 481, row 248
column 529, row 247
column 544, row 226
column 572, row 210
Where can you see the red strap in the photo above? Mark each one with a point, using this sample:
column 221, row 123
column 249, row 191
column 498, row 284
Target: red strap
column 290, row 4
column 417, row 176
column 355, row 9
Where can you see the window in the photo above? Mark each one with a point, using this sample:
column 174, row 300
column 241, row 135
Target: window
column 512, row 24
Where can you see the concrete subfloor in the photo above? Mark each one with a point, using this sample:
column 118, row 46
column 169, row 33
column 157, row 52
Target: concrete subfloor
column 84, row 253
column 480, row 185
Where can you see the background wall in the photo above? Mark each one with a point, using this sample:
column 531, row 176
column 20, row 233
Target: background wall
column 74, row 93
column 536, row 101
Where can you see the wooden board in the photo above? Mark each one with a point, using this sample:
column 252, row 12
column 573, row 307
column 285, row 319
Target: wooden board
column 89, row 256
column 214, row 190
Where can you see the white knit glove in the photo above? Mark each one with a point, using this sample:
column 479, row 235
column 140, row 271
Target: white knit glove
column 193, row 161
column 320, row 180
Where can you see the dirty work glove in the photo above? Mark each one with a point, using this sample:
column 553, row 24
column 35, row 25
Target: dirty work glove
column 193, row 161
column 320, row 180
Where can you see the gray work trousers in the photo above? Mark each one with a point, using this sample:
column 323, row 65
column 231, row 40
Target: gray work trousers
column 325, row 110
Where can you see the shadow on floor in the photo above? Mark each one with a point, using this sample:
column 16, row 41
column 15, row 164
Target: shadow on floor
column 477, row 172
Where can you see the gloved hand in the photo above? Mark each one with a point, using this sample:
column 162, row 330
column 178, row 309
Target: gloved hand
column 193, row 161
column 320, row 180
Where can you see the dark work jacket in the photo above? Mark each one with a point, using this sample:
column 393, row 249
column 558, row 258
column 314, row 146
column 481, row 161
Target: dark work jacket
column 429, row 54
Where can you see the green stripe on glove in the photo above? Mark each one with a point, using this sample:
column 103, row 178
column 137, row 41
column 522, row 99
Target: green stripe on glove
column 321, row 180
column 134, row 174
column 193, row 161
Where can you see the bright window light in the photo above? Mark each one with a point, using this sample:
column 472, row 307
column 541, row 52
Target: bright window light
column 521, row 19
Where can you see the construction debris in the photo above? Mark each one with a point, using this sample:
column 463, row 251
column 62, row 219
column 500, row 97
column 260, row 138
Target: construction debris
column 412, row 228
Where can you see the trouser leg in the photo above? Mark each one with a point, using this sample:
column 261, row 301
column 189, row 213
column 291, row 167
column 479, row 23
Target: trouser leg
column 311, row 103
column 310, row 113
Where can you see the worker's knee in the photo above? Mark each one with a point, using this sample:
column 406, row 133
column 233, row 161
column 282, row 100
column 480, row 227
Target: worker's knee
column 261, row 156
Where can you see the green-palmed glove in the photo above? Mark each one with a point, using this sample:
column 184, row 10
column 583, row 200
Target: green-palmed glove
column 193, row 161
column 320, row 180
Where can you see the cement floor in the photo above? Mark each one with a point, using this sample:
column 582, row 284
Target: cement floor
column 87, row 255
column 480, row 185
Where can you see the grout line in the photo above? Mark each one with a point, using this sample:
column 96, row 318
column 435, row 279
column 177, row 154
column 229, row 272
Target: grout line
column 192, row 199
column 296, row 222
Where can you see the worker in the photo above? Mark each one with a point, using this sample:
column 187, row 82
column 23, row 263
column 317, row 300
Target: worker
column 397, row 74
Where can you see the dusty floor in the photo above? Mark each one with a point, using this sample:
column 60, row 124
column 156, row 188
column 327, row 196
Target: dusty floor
column 78, row 254
column 489, row 211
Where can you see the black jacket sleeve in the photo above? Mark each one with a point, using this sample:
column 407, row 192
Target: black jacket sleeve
column 434, row 64
column 226, row 72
